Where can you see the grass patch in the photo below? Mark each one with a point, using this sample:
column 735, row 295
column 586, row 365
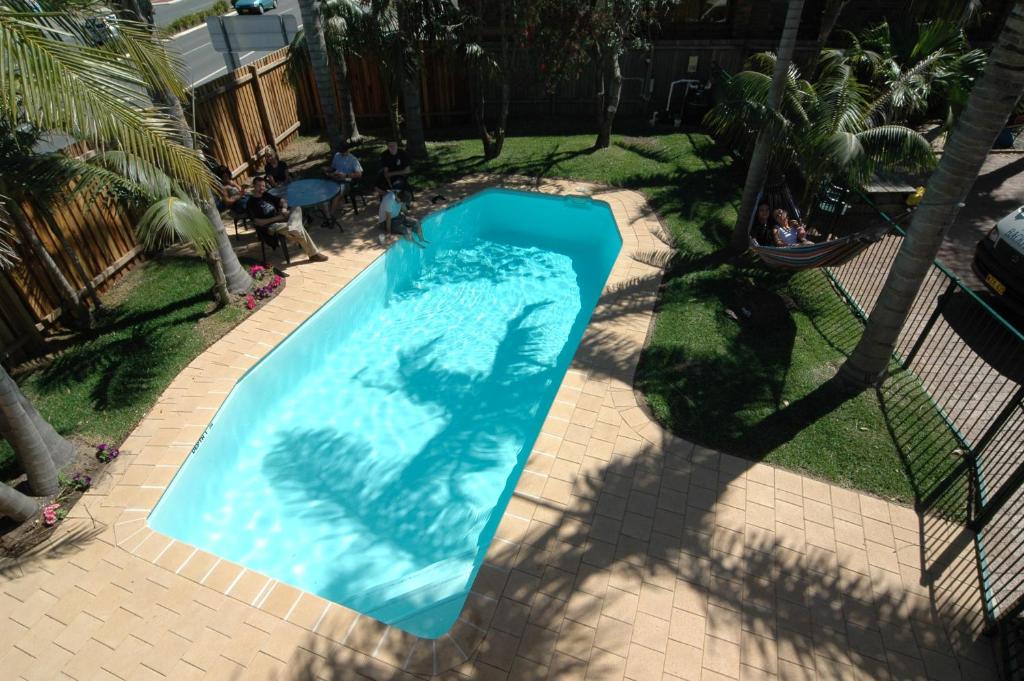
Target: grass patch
column 187, row 21
column 154, row 324
column 758, row 387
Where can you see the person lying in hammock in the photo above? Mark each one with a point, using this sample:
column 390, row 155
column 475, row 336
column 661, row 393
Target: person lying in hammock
column 788, row 232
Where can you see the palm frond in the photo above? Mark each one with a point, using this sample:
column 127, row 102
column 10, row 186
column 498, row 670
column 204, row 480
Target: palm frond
column 8, row 255
column 86, row 92
column 173, row 220
column 898, row 146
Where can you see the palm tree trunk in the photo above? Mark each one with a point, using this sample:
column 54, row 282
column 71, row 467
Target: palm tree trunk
column 608, row 99
column 408, row 66
column 62, row 451
column 351, row 127
column 220, row 283
column 238, row 280
column 415, row 138
column 829, row 17
column 72, row 253
column 762, row 149
column 14, row 504
column 321, row 72
column 25, row 439
column 990, row 104
column 506, row 90
column 76, row 311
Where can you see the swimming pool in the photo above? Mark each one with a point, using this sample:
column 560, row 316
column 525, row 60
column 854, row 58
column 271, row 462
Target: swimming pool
column 370, row 456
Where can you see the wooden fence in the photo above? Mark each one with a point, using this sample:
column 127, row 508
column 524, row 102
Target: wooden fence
column 236, row 115
column 250, row 109
column 265, row 103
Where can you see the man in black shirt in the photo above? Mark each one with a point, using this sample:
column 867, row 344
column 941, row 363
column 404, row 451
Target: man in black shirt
column 394, row 169
column 272, row 215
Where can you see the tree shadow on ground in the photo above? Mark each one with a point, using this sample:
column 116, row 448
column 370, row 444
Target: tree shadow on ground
column 646, row 566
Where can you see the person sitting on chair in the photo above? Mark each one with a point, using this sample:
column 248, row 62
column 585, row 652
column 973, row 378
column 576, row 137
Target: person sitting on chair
column 271, row 215
column 346, row 170
column 230, row 195
column 762, row 228
column 788, row 232
column 392, row 218
column 276, row 170
column 394, row 169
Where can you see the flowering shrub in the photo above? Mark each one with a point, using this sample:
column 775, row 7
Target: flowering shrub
column 79, row 482
column 266, row 283
column 106, row 453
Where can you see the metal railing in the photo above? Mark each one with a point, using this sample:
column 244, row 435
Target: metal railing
column 970, row 362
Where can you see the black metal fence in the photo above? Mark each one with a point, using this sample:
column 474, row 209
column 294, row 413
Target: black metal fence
column 970, row 362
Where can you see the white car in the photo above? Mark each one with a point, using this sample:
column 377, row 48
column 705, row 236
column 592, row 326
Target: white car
column 999, row 260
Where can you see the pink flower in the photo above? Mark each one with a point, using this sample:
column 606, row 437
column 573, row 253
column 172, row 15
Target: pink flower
column 50, row 514
column 256, row 269
column 250, row 302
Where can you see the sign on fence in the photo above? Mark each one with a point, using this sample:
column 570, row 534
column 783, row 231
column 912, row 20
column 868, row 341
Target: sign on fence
column 264, row 33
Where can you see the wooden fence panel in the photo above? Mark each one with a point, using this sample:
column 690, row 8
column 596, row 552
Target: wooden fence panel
column 236, row 126
column 100, row 234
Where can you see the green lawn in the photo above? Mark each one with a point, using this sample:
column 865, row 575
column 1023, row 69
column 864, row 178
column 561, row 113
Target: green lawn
column 154, row 323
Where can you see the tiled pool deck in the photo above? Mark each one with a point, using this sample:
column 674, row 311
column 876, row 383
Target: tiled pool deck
column 626, row 552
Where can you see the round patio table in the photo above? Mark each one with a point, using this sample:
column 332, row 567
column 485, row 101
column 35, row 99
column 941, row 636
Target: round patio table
column 314, row 195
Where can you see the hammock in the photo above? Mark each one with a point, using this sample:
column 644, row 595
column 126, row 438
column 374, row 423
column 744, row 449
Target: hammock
column 807, row 256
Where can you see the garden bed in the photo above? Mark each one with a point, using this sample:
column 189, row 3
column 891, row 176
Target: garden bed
column 96, row 389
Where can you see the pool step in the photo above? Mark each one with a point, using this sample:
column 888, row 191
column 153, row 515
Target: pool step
column 437, row 587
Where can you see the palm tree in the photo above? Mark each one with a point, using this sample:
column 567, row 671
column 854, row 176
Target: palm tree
column 418, row 22
column 758, row 169
column 485, row 66
column 346, row 32
column 54, row 79
column 830, row 129
column 928, row 67
column 990, row 104
column 829, row 16
column 317, row 49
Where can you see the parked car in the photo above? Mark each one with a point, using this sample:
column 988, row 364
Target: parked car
column 999, row 261
column 253, row 6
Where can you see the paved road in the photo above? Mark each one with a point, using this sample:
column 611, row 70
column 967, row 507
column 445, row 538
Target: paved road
column 202, row 63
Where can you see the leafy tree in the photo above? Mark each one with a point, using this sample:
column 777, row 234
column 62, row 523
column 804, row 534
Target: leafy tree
column 991, row 101
column 571, row 36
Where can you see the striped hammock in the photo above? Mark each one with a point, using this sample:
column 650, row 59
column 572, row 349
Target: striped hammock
column 807, row 256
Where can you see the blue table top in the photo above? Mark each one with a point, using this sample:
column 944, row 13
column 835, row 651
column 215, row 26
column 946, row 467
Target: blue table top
column 308, row 192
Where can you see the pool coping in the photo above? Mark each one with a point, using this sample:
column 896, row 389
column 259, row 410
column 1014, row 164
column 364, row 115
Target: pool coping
column 173, row 428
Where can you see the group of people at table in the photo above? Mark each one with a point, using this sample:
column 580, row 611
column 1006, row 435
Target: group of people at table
column 265, row 202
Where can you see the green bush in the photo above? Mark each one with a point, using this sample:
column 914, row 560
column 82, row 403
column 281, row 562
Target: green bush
column 189, row 20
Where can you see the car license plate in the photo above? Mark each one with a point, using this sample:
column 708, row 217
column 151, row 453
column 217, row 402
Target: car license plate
column 996, row 285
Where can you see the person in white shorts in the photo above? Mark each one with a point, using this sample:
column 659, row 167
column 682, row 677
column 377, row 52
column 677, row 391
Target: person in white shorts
column 393, row 220
column 272, row 214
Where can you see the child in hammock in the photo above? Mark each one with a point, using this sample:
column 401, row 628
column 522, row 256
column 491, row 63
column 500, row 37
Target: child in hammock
column 788, row 232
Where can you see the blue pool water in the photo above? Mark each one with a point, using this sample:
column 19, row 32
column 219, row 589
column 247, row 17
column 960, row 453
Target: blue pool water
column 370, row 456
